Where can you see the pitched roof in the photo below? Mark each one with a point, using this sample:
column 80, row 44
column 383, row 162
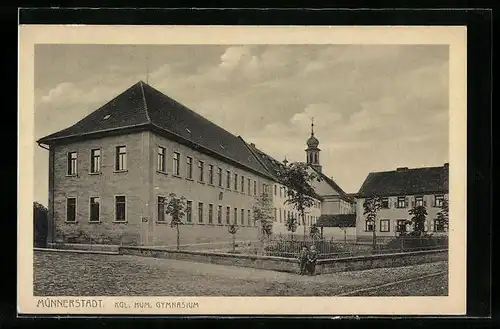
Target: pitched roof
column 339, row 220
column 334, row 185
column 404, row 181
column 273, row 166
column 125, row 110
column 143, row 106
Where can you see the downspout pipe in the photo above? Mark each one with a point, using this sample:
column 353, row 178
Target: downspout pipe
column 50, row 228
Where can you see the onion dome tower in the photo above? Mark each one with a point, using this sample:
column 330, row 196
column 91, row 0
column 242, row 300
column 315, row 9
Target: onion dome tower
column 312, row 151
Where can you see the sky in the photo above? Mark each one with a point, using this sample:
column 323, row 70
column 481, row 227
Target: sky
column 375, row 107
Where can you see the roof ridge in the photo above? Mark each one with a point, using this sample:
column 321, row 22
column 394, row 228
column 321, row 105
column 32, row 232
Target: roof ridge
column 189, row 110
column 406, row 170
column 144, row 100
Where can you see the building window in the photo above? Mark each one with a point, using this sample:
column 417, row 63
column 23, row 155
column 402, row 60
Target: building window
column 161, row 159
column 200, row 212
column 280, row 213
column 95, row 161
column 236, row 182
column 211, row 174
column 438, row 200
column 121, row 158
column 275, row 215
column 71, row 209
column 219, row 176
column 161, row 209
column 228, row 181
column 419, row 201
column 384, row 225
column 219, row 215
column 275, row 190
column 94, row 209
column 189, row 211
column 176, row 163
column 236, row 216
column 369, row 226
column 248, row 185
column 254, row 188
column 120, row 209
column 242, row 216
column 210, row 213
column 401, row 225
column 72, row 160
column 228, row 215
column 242, row 184
column 249, row 218
column 401, row 202
column 201, row 171
column 385, row 203
column 189, row 167
column 438, row 225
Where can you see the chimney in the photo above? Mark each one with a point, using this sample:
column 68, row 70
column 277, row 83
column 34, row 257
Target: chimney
column 446, row 165
column 402, row 169
column 252, row 145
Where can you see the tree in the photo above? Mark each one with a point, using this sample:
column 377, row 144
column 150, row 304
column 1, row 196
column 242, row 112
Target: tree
column 297, row 179
column 371, row 207
column 314, row 231
column 291, row 224
column 175, row 207
column 262, row 213
column 419, row 214
column 442, row 215
column 40, row 224
column 232, row 229
column 344, row 227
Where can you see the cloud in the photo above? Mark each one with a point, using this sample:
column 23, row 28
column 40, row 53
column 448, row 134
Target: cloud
column 65, row 91
column 368, row 102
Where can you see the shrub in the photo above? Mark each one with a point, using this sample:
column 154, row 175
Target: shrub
column 40, row 224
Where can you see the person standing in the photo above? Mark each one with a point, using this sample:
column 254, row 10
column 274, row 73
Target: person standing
column 303, row 260
column 312, row 257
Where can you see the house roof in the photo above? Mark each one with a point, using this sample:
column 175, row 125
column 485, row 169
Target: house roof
column 334, row 185
column 339, row 220
column 404, row 181
column 143, row 106
column 273, row 166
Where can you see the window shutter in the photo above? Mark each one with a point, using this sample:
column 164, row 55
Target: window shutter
column 406, row 202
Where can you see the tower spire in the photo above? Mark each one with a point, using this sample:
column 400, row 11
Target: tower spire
column 312, row 126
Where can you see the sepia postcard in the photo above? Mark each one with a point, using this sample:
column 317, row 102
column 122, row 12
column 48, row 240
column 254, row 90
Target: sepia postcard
column 242, row 170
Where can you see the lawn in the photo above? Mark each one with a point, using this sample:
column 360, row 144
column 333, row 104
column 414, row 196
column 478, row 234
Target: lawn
column 71, row 274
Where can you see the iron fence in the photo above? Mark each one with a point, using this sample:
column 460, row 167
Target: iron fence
column 327, row 249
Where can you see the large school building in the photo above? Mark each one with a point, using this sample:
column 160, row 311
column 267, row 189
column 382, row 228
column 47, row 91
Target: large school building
column 109, row 175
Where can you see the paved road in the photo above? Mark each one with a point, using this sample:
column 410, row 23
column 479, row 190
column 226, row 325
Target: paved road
column 59, row 273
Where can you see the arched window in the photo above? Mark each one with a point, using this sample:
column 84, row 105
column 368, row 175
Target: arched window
column 315, row 157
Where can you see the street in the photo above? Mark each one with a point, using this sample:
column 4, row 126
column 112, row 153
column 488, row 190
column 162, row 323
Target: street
column 71, row 274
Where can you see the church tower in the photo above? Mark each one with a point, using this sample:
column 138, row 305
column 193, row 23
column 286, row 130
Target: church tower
column 312, row 151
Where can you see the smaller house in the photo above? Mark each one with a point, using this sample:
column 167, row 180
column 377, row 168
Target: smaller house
column 401, row 190
column 338, row 226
